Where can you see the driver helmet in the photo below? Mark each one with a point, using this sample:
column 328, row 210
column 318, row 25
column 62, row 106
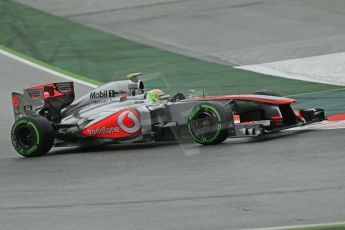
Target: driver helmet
column 155, row 94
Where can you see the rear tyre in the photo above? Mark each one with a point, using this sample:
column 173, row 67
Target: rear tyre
column 208, row 123
column 267, row 92
column 32, row 136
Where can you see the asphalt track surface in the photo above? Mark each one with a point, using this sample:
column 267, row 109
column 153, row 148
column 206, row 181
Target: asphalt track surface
column 291, row 179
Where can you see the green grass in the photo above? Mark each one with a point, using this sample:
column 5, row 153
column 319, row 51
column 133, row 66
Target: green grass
column 102, row 57
column 48, row 66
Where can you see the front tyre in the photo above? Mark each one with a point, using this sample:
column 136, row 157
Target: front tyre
column 32, row 136
column 208, row 123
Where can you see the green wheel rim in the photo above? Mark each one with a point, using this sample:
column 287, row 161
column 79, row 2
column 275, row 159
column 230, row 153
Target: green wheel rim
column 195, row 112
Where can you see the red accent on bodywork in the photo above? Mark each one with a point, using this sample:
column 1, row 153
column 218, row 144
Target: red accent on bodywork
column 15, row 102
column 278, row 120
column 50, row 91
column 237, row 119
column 125, row 123
column 244, row 98
column 247, row 122
column 299, row 115
column 338, row 117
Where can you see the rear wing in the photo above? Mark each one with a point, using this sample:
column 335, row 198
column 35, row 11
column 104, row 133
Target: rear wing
column 46, row 100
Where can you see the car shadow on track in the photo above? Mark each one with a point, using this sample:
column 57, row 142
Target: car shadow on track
column 184, row 145
column 283, row 134
column 107, row 148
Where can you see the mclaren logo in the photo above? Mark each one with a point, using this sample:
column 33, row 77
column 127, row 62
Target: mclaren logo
column 129, row 122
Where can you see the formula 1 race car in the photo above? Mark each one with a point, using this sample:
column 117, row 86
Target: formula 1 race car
column 121, row 112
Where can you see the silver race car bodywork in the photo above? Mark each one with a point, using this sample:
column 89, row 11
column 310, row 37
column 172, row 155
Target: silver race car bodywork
column 119, row 112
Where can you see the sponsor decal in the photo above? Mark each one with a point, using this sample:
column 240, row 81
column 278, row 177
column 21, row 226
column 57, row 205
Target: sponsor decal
column 103, row 130
column 129, row 122
column 103, row 94
column 125, row 123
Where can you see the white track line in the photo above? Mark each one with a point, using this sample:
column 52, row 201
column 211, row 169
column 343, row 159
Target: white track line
column 326, row 69
column 299, row 226
column 45, row 69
